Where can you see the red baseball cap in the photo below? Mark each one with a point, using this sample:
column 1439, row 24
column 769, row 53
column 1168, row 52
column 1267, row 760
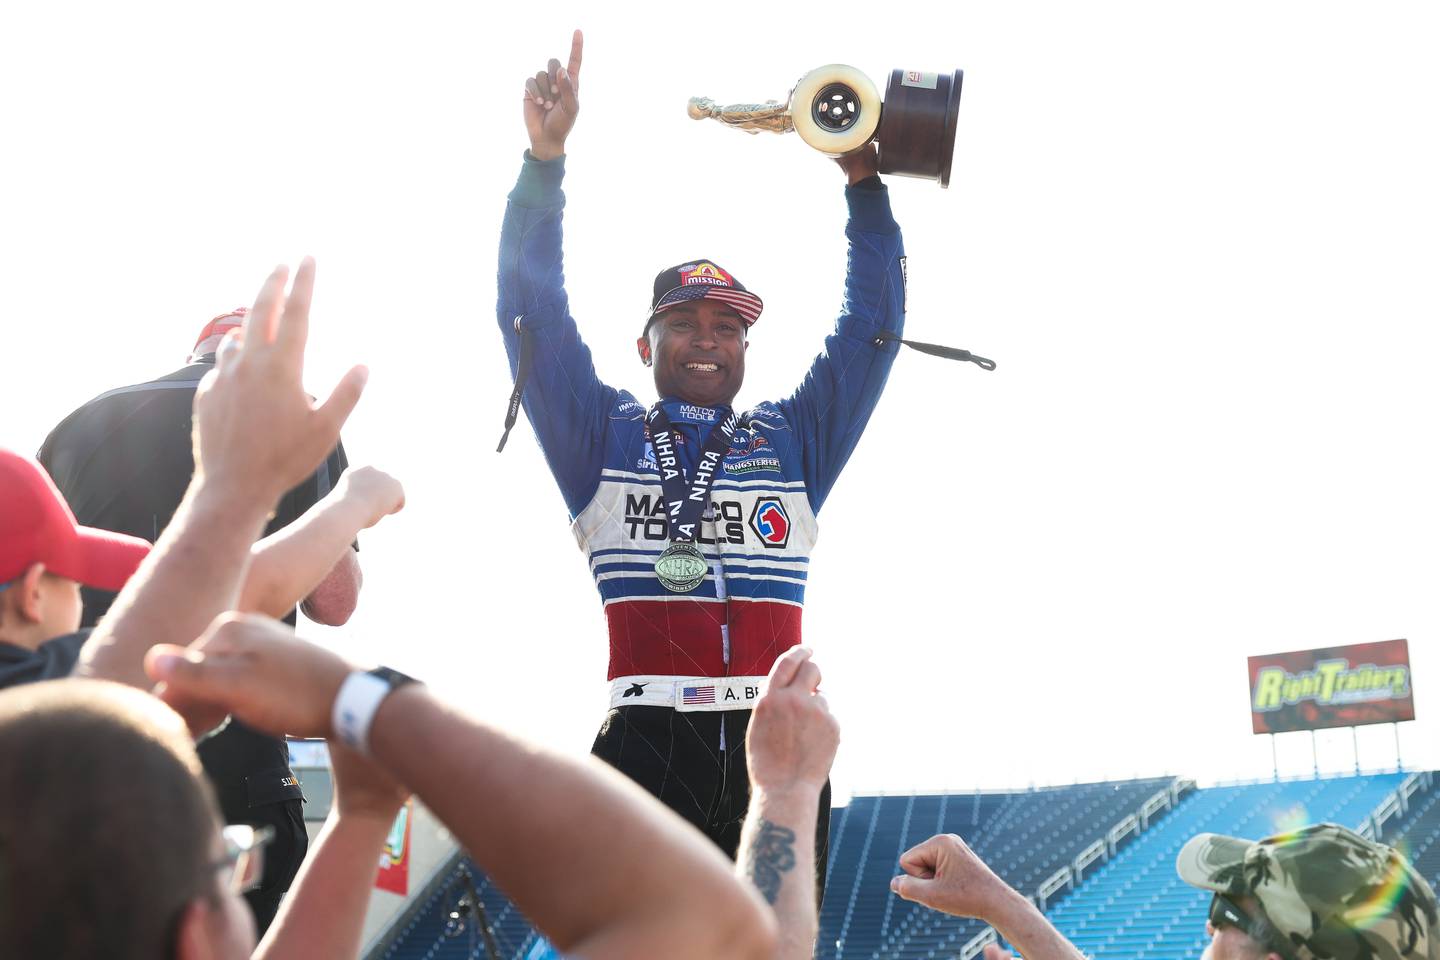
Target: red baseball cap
column 222, row 324
column 36, row 526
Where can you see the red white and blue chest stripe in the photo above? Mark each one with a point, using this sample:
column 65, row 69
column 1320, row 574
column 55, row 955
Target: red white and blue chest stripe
column 756, row 534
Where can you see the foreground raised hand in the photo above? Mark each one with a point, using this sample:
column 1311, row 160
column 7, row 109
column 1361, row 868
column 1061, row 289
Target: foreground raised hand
column 629, row 879
column 790, row 745
column 944, row 874
column 257, row 433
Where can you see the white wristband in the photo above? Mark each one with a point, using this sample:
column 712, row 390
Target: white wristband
column 360, row 696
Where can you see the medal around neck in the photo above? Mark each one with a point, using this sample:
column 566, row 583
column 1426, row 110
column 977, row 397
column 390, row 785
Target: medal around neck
column 681, row 568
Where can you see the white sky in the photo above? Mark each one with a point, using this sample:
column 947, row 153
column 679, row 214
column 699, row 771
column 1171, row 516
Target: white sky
column 1200, row 240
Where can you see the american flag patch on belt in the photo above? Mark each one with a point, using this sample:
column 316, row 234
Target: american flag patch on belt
column 697, row 695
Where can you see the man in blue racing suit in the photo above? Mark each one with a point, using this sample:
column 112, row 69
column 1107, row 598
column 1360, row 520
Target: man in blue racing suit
column 698, row 521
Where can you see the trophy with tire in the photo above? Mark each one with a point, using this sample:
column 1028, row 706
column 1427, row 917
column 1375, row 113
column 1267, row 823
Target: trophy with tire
column 837, row 110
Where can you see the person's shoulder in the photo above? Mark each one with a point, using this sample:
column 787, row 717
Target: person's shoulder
column 187, row 377
column 52, row 660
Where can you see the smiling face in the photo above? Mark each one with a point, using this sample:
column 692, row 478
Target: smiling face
column 698, row 351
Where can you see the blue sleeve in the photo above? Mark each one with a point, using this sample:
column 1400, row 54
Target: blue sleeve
column 564, row 400
column 830, row 409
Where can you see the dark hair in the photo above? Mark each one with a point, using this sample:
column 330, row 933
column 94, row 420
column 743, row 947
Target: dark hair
column 106, row 822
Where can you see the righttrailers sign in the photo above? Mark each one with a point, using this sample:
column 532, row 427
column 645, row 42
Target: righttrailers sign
column 1331, row 687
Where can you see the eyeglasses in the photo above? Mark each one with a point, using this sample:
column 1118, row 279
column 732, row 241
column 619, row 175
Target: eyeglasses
column 1225, row 913
column 244, row 855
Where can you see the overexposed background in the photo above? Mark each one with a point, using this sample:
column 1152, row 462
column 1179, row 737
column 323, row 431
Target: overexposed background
column 1200, row 240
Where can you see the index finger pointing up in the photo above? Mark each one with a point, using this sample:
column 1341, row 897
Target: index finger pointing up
column 577, row 48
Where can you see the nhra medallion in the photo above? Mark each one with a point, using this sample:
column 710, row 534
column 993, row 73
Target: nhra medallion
column 681, row 568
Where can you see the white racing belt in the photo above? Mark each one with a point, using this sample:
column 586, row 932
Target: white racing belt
column 687, row 694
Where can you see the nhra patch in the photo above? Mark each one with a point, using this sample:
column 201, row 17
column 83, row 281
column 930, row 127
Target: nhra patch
column 771, row 523
column 705, row 272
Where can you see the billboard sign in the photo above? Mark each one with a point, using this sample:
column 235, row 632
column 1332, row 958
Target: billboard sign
column 1331, row 687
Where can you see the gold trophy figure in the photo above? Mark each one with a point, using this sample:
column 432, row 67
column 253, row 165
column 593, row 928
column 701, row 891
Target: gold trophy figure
column 837, row 110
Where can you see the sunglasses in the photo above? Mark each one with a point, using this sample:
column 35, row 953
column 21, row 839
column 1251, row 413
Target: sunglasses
column 1225, row 913
column 244, row 855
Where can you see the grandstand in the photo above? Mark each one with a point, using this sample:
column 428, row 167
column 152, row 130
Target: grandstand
column 1024, row 836
column 1098, row 857
column 1136, row 907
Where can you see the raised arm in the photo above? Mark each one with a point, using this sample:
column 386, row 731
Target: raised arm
column 323, row 914
column 944, row 874
column 601, row 867
column 289, row 565
column 564, row 400
column 790, row 745
column 834, row 403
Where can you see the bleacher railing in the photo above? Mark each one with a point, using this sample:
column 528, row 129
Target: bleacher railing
column 1101, row 849
column 977, row 944
column 1395, row 805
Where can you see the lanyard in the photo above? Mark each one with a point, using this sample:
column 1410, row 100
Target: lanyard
column 687, row 497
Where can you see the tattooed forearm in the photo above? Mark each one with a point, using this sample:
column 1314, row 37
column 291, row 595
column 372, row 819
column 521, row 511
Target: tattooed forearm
column 772, row 855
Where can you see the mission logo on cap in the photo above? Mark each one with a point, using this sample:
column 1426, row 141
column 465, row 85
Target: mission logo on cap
column 703, row 280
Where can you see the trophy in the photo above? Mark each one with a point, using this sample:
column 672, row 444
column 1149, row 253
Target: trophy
column 837, row 110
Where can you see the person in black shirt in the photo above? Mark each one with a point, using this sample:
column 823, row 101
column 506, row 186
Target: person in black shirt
column 123, row 462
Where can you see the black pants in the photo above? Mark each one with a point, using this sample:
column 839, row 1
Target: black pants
column 282, row 858
column 255, row 785
column 677, row 758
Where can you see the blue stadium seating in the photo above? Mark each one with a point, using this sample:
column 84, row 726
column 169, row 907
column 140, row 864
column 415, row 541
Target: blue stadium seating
column 1135, row 908
column 1131, row 907
column 1025, row 836
column 1417, row 832
column 423, row 934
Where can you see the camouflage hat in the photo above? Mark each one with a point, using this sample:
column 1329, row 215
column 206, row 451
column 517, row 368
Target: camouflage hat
column 1332, row 894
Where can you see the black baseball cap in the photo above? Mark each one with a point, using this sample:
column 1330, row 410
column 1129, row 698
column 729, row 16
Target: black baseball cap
column 703, row 280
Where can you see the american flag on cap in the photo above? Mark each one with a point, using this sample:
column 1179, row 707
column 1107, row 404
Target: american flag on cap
column 703, row 280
